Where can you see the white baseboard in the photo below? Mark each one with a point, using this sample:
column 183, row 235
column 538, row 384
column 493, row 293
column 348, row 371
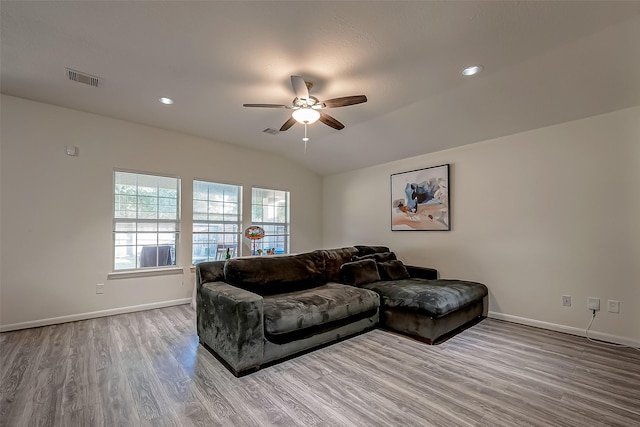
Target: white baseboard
column 92, row 315
column 565, row 329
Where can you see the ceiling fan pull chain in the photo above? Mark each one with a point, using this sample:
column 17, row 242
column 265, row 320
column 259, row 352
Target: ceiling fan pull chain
column 305, row 139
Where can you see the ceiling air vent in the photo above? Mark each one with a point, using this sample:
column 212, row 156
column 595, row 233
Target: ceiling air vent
column 80, row 77
column 271, row 131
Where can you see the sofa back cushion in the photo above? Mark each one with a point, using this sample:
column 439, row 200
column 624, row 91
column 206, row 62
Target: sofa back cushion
column 357, row 273
column 271, row 275
column 377, row 257
column 392, row 270
column 368, row 250
column 333, row 259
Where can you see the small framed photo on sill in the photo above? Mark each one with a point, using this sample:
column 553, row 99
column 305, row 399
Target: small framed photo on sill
column 420, row 200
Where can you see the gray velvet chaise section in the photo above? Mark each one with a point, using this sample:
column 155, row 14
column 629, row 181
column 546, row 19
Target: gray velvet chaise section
column 429, row 309
column 253, row 311
column 416, row 302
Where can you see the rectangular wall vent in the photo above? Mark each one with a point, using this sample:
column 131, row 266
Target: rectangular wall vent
column 80, row 77
column 271, row 131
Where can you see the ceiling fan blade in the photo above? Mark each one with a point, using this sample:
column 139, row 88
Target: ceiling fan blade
column 299, row 87
column 344, row 101
column 266, row 105
column 288, row 124
column 330, row 121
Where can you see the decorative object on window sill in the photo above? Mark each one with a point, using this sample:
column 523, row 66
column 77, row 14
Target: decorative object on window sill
column 254, row 233
column 420, row 199
column 305, row 107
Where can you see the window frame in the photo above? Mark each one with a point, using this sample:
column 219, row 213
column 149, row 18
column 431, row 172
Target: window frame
column 238, row 222
column 266, row 224
column 158, row 269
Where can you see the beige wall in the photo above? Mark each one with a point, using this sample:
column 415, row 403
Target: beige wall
column 536, row 215
column 56, row 210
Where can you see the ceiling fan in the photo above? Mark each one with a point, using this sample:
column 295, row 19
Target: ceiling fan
column 306, row 107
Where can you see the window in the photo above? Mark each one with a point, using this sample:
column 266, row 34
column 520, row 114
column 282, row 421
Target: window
column 217, row 221
column 270, row 210
column 146, row 220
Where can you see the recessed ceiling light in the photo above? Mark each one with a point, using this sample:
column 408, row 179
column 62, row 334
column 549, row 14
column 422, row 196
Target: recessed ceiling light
column 166, row 101
column 474, row 69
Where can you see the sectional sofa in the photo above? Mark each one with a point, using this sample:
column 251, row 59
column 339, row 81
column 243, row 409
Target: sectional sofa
column 254, row 311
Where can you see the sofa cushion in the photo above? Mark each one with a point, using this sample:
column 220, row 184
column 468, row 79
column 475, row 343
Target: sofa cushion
column 392, row 270
column 368, row 250
column 296, row 311
column 333, row 259
column 433, row 298
column 359, row 273
column 276, row 274
column 377, row 257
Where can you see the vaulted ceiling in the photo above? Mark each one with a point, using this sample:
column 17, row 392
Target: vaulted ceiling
column 545, row 63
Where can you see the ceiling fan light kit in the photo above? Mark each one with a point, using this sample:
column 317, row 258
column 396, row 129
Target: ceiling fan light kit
column 306, row 115
column 305, row 107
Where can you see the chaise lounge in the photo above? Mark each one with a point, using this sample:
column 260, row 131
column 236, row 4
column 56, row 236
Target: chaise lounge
column 255, row 311
column 414, row 301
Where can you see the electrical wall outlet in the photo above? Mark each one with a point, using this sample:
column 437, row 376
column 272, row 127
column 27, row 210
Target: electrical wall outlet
column 100, row 288
column 593, row 303
column 566, row 300
column 613, row 306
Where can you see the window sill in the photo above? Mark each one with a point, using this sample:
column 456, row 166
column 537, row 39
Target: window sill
column 144, row 273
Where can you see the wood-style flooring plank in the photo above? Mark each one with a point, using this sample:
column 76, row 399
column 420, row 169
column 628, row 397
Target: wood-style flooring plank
column 148, row 369
column 80, row 387
column 116, row 398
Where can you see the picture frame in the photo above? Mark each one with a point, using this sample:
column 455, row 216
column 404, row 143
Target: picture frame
column 420, row 200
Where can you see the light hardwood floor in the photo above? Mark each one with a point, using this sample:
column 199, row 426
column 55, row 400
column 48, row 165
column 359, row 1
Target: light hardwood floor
column 147, row 368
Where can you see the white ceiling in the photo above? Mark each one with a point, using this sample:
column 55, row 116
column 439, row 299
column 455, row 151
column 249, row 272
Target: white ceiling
column 545, row 63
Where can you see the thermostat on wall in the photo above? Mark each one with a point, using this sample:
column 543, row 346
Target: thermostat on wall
column 72, row 150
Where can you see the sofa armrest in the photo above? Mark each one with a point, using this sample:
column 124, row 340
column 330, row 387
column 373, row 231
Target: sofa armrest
column 209, row 271
column 230, row 322
column 422, row 272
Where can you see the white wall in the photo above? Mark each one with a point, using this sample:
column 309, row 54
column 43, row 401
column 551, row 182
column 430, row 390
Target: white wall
column 56, row 210
column 536, row 215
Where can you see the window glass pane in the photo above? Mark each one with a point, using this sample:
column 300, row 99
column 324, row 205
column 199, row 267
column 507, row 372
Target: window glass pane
column 125, row 257
column 166, row 238
column 168, row 193
column 125, row 226
column 231, row 228
column 168, row 226
column 147, row 239
column 125, row 239
column 148, row 227
column 231, row 208
column 200, row 206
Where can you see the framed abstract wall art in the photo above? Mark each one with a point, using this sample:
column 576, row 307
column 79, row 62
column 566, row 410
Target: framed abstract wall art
column 420, row 199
